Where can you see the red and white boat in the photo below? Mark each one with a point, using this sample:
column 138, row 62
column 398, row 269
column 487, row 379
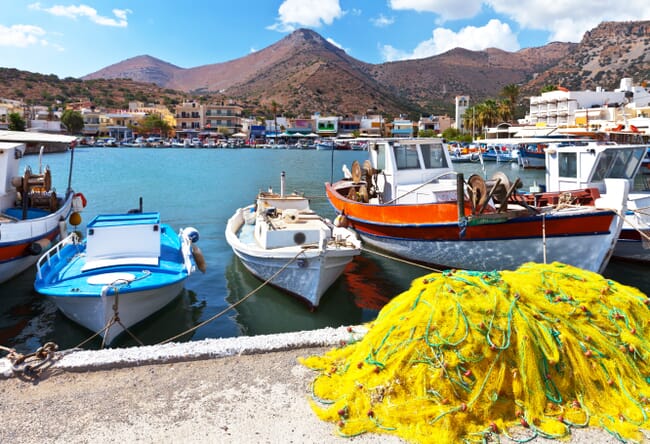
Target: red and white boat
column 32, row 214
column 407, row 200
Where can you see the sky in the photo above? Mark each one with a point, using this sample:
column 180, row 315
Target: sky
column 72, row 39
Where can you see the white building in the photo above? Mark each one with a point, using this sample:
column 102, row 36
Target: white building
column 462, row 103
column 564, row 108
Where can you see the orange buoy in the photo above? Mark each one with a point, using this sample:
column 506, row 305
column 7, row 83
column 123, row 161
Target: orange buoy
column 75, row 219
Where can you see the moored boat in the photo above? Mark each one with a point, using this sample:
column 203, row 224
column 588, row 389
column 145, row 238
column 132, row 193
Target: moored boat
column 280, row 239
column 32, row 213
column 411, row 203
column 128, row 267
column 590, row 164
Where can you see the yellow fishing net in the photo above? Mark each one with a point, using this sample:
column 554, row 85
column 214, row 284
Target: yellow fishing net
column 466, row 355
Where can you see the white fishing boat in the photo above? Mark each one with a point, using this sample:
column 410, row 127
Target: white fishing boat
column 280, row 239
column 128, row 267
column 588, row 164
column 33, row 212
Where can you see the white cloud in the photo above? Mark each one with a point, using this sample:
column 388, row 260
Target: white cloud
column 494, row 34
column 382, row 21
column 390, row 53
column 338, row 45
column 74, row 12
column 446, row 9
column 568, row 20
column 309, row 13
column 21, row 36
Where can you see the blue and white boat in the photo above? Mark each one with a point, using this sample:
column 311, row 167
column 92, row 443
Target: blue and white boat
column 128, row 267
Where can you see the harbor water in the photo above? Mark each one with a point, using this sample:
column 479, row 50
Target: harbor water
column 202, row 188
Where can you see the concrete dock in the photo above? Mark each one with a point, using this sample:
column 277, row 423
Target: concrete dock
column 232, row 390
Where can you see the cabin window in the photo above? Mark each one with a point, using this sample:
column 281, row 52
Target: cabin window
column 406, row 157
column 619, row 164
column 433, row 156
column 568, row 165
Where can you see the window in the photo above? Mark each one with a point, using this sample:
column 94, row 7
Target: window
column 620, row 164
column 434, row 156
column 568, row 165
column 406, row 157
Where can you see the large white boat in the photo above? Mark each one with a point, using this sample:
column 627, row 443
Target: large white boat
column 588, row 164
column 32, row 213
column 280, row 239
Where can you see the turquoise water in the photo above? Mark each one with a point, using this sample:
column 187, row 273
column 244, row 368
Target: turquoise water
column 202, row 188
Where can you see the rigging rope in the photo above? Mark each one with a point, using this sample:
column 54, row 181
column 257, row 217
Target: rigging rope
column 231, row 306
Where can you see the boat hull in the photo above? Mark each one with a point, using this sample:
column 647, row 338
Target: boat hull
column 431, row 233
column 95, row 313
column 305, row 273
column 17, row 238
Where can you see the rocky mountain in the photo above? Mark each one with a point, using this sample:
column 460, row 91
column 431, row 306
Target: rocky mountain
column 303, row 73
column 604, row 56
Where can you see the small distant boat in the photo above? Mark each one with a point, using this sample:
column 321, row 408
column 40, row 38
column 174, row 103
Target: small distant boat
column 128, row 267
column 500, row 153
column 32, row 213
column 458, row 157
column 325, row 145
column 280, row 238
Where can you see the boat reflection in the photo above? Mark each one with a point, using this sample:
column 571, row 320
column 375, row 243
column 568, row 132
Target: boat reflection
column 365, row 286
column 270, row 310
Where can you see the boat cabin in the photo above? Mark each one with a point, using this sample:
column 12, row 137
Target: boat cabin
column 576, row 165
column 412, row 170
column 123, row 239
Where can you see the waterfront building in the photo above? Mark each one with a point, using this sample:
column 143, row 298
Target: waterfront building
column 222, row 119
column 92, row 120
column 300, row 126
column 461, row 104
column 437, row 124
column 9, row 106
column 327, row 126
column 588, row 109
column 371, row 126
column 402, row 128
column 349, row 127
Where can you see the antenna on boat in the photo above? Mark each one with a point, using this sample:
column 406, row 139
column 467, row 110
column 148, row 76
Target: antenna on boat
column 137, row 210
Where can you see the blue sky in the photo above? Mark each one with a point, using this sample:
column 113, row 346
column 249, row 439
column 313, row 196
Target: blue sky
column 77, row 38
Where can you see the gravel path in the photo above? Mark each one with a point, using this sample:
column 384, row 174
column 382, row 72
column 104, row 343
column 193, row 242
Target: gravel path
column 189, row 393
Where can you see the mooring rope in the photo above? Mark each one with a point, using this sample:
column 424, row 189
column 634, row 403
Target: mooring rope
column 231, row 306
column 30, row 365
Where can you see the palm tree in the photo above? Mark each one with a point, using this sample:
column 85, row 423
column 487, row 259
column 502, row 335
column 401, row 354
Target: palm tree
column 511, row 92
column 505, row 110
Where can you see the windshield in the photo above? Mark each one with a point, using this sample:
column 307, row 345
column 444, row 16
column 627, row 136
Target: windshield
column 618, row 164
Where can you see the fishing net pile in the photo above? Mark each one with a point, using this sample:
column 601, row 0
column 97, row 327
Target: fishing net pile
column 469, row 356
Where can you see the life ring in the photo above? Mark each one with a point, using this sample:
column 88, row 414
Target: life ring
column 84, row 202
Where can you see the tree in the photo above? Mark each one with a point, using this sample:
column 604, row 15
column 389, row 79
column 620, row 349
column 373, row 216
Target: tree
column 153, row 123
column 73, row 121
column 16, row 122
column 511, row 92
